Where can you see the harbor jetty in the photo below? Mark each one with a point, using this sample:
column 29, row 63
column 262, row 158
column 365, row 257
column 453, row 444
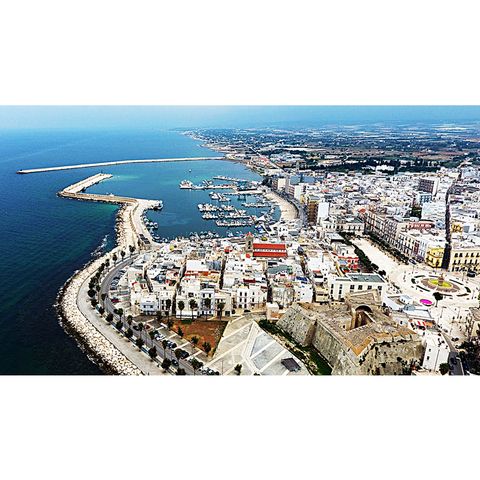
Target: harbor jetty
column 116, row 162
column 131, row 231
column 135, row 231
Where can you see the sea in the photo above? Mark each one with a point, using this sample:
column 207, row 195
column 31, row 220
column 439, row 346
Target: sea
column 45, row 238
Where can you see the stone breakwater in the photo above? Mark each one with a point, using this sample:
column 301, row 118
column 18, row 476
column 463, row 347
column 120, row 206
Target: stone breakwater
column 109, row 357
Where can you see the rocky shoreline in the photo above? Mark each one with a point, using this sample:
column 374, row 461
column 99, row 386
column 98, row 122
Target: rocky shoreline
column 109, row 358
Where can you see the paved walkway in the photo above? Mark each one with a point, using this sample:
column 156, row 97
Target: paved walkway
column 451, row 312
column 138, row 358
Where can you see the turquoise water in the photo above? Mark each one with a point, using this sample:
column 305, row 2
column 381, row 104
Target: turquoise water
column 45, row 238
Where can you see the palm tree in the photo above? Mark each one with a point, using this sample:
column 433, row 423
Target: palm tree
column 196, row 365
column 193, row 304
column 152, row 352
column 181, row 371
column 107, row 262
column 170, row 323
column 437, row 296
column 109, row 318
column 221, row 306
column 115, row 258
column 139, row 343
column 129, row 333
column 120, row 313
column 103, row 296
column 181, row 306
column 166, row 364
column 131, row 248
column 208, row 305
column 94, row 302
column 122, row 253
column 178, row 353
column 168, row 304
column 152, row 334
column 206, row 347
column 119, row 325
column 129, row 320
column 164, row 345
column 141, row 327
column 101, row 310
column 180, row 332
column 238, row 368
column 194, row 340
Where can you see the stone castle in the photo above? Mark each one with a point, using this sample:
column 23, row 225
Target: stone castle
column 356, row 337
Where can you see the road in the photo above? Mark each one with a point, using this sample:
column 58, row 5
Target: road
column 162, row 353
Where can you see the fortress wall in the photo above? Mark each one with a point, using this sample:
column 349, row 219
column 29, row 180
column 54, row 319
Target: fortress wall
column 296, row 322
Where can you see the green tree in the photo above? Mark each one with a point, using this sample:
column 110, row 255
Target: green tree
column 131, row 249
column 164, row 345
column 180, row 332
column 103, row 296
column 115, row 258
column 166, row 364
column 196, row 365
column 122, row 253
column 208, row 305
column 437, row 296
column 178, row 353
column 444, row 368
column 109, row 318
column 238, row 368
column 170, row 323
column 206, row 347
column 101, row 310
column 168, row 304
column 119, row 325
column 129, row 333
column 139, row 343
column 181, row 307
column 91, row 293
column 194, row 340
column 221, row 306
column 181, row 371
column 193, row 305
column 94, row 302
column 152, row 352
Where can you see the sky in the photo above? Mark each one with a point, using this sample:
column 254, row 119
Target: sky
column 86, row 117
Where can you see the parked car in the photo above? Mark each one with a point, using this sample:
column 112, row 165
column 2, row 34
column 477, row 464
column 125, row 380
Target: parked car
column 174, row 362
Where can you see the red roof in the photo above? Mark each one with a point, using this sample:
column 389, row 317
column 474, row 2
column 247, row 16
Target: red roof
column 269, row 254
column 269, row 246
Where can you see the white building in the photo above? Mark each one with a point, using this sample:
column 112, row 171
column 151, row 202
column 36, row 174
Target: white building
column 355, row 282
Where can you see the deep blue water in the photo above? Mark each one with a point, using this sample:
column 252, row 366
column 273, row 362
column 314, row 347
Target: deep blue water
column 45, row 238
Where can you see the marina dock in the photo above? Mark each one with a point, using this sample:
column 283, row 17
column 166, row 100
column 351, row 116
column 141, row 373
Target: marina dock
column 117, row 162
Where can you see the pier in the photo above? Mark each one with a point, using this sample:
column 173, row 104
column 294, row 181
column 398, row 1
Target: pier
column 134, row 231
column 116, row 162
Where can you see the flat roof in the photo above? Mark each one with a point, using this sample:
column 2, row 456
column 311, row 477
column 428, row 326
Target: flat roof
column 365, row 277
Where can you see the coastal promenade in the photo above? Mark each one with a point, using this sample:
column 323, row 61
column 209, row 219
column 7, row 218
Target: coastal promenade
column 112, row 352
column 116, row 162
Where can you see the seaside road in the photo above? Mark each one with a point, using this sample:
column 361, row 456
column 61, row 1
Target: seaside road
column 139, row 359
column 109, row 306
